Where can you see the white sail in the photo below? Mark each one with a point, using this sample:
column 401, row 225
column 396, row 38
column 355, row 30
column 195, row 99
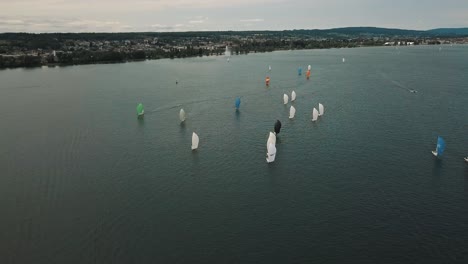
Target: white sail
column 293, row 96
column 314, row 114
column 271, row 153
column 292, row 112
column 344, row 60
column 321, row 109
column 195, row 141
column 309, row 67
column 269, row 67
column 285, row 98
column 182, row 115
column 271, row 139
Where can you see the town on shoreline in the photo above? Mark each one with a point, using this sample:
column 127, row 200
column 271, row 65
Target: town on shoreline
column 35, row 50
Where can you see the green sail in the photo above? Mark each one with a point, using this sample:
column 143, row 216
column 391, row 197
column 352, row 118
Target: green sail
column 140, row 110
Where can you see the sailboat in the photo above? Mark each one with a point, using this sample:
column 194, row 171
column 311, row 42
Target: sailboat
column 269, row 67
column 321, row 109
column 293, row 96
column 271, row 149
column 271, row 153
column 238, row 101
column 344, row 60
column 292, row 112
column 140, row 109
column 315, row 114
column 182, row 115
column 277, row 127
column 285, row 98
column 195, row 141
column 271, row 139
column 440, row 147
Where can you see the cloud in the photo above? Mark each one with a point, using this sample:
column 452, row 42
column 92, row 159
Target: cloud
column 46, row 7
column 11, row 22
column 34, row 24
column 252, row 20
column 161, row 27
column 172, row 28
column 140, row 15
column 198, row 20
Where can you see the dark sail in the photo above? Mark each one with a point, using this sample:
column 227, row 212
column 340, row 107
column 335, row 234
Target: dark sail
column 277, row 127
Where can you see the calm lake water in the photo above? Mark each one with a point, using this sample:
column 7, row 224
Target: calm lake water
column 84, row 181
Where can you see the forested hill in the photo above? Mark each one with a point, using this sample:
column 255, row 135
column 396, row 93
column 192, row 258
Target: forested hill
column 347, row 32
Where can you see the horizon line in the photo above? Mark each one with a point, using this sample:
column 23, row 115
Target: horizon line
column 227, row 30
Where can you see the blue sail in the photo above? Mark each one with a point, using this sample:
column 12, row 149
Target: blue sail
column 440, row 146
column 237, row 102
column 299, row 71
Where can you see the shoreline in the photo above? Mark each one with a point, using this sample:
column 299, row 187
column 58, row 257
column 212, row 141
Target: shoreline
column 53, row 65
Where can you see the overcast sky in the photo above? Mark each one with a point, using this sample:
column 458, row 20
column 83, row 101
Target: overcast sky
column 188, row 15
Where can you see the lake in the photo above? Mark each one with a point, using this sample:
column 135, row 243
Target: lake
column 83, row 180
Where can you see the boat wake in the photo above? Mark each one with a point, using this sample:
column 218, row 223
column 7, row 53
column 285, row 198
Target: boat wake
column 397, row 84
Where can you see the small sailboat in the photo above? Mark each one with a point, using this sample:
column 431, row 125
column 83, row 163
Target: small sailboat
column 292, row 112
column 440, row 148
column 285, row 98
column 271, row 153
column 269, row 67
column 315, row 114
column 140, row 109
column 195, row 141
column 293, row 96
column 271, row 139
column 344, row 60
column 277, row 127
column 238, row 101
column 321, row 109
column 182, row 115
column 271, row 149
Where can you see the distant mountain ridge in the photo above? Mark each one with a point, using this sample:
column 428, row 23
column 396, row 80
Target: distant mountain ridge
column 333, row 33
column 449, row 31
column 377, row 31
